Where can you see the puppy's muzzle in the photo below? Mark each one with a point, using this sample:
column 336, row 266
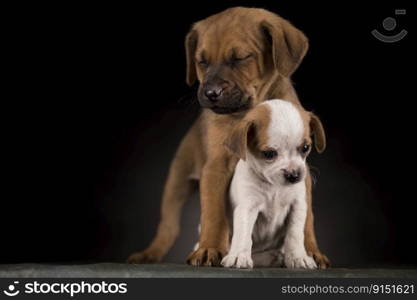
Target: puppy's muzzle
column 292, row 176
column 214, row 93
column 223, row 99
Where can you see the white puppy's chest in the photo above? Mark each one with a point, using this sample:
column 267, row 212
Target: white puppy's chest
column 269, row 228
column 272, row 202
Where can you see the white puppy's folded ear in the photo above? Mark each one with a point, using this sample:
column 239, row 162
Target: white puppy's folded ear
column 317, row 131
column 237, row 141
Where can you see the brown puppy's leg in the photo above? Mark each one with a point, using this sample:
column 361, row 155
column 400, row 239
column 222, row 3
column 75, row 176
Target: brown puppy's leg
column 310, row 241
column 214, row 236
column 177, row 191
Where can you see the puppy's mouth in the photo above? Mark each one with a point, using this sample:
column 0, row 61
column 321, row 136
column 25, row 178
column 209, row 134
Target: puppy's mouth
column 233, row 101
column 229, row 110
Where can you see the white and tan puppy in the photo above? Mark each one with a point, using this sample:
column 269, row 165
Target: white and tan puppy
column 268, row 191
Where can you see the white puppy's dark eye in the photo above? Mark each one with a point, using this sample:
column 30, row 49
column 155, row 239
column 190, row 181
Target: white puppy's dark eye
column 270, row 154
column 305, row 148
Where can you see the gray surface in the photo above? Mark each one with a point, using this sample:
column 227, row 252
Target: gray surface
column 184, row 271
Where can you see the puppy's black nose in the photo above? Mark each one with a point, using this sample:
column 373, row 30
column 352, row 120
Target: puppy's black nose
column 292, row 176
column 213, row 93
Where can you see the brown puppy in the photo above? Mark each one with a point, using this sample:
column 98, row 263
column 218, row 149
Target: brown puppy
column 240, row 57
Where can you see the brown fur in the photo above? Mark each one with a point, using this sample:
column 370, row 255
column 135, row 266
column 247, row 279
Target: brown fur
column 277, row 49
column 250, row 132
column 313, row 128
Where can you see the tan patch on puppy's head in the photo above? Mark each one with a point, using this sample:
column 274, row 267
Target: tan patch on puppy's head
column 250, row 133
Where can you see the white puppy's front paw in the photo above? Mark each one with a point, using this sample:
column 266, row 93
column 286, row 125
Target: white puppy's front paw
column 240, row 260
column 297, row 261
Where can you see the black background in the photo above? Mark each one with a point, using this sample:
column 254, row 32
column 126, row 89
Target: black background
column 95, row 103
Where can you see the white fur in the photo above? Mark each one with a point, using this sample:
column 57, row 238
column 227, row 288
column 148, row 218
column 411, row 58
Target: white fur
column 268, row 214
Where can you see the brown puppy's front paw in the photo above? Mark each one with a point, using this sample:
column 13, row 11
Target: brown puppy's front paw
column 144, row 257
column 205, row 257
column 321, row 260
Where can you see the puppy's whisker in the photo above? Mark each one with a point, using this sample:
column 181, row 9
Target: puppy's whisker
column 188, row 101
column 187, row 98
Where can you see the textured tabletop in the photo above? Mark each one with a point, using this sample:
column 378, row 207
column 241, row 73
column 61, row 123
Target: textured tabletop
column 183, row 271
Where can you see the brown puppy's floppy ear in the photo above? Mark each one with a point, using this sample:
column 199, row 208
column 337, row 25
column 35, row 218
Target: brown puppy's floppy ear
column 289, row 45
column 237, row 141
column 190, row 47
column 317, row 131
